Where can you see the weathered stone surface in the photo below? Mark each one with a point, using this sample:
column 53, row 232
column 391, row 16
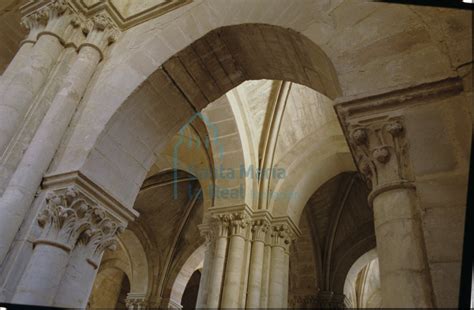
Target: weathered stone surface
column 117, row 112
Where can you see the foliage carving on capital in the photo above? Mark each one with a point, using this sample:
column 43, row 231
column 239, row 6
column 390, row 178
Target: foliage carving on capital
column 281, row 235
column 260, row 228
column 52, row 19
column 34, row 21
column 220, row 225
column 69, row 218
column 66, row 216
column 381, row 151
column 207, row 234
column 101, row 30
column 57, row 8
column 239, row 222
column 101, row 236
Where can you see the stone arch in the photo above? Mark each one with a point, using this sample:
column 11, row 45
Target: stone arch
column 337, row 228
column 356, row 267
column 353, row 253
column 186, row 83
column 136, row 58
column 179, row 283
column 110, row 289
column 139, row 280
column 325, row 162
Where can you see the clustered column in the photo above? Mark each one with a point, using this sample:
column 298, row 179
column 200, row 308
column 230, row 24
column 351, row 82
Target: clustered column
column 247, row 260
column 235, row 262
column 100, row 32
column 31, row 67
column 75, row 232
column 380, row 148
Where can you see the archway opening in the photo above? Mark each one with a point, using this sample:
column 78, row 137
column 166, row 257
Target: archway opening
column 337, row 228
column 110, row 290
column 362, row 284
column 190, row 294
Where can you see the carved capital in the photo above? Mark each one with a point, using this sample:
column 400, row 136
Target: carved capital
column 374, row 127
column 100, row 236
column 65, row 217
column 101, row 31
column 70, row 218
column 136, row 301
column 207, row 233
column 78, row 213
column 51, row 18
column 219, row 225
column 380, row 151
column 260, row 228
column 281, row 236
column 59, row 14
column 56, row 8
column 239, row 222
column 35, row 23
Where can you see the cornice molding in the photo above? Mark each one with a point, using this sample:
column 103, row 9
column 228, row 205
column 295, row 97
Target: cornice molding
column 353, row 106
column 123, row 22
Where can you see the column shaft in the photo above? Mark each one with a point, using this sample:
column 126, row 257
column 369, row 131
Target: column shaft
column 217, row 273
column 42, row 276
column 20, row 60
column 277, row 275
column 204, row 282
column 245, row 272
column 23, row 185
column 255, row 274
column 267, row 253
column 404, row 272
column 286, row 279
column 76, row 285
column 18, row 91
column 233, row 273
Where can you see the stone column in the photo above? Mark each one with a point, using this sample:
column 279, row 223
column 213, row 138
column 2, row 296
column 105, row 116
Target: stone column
column 24, row 183
column 280, row 236
column 19, row 88
column 235, row 261
column 220, row 225
column 267, row 254
column 255, row 258
column 66, row 216
column 76, row 285
column 259, row 231
column 286, row 277
column 201, row 301
column 380, row 150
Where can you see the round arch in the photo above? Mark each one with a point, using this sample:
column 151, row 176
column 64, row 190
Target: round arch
column 193, row 263
column 187, row 82
column 139, row 280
